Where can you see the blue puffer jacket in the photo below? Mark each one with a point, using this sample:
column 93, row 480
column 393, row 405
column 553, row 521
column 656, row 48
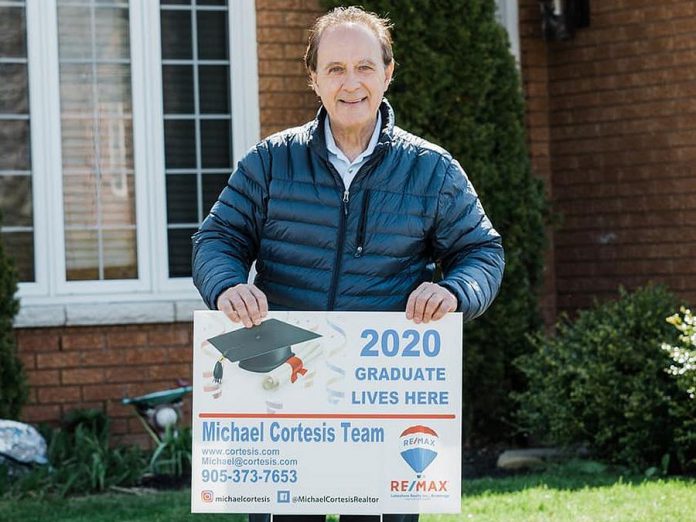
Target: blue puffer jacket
column 320, row 247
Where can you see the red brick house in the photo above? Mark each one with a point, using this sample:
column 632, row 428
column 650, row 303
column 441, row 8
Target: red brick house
column 119, row 122
column 611, row 128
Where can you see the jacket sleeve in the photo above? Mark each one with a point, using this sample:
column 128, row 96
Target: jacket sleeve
column 467, row 246
column 227, row 241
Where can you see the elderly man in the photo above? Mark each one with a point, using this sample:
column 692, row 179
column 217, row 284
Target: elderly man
column 348, row 212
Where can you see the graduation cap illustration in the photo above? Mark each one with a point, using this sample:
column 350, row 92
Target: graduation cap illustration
column 260, row 348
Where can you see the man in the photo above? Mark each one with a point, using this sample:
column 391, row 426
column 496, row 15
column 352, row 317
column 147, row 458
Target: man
column 348, row 212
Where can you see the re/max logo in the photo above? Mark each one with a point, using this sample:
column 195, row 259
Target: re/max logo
column 414, row 441
column 418, row 485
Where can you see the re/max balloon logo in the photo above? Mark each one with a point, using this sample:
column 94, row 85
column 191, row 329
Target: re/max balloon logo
column 419, row 445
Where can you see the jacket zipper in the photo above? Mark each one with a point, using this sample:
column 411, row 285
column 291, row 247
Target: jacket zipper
column 345, row 200
column 363, row 224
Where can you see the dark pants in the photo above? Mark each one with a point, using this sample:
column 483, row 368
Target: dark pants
column 322, row 518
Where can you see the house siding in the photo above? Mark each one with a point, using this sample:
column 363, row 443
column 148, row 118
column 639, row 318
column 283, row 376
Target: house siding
column 95, row 367
column 620, row 100
column 285, row 99
column 535, row 85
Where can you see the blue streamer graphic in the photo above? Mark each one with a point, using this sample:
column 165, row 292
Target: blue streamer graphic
column 333, row 386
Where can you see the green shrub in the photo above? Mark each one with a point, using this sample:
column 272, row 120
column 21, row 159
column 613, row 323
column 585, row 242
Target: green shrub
column 13, row 388
column 683, row 368
column 683, row 365
column 81, row 460
column 601, row 381
column 457, row 85
column 173, row 454
column 84, row 462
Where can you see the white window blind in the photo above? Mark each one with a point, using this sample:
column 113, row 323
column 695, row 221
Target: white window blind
column 97, row 140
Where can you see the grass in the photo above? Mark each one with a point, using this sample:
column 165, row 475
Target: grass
column 561, row 494
column 554, row 497
column 164, row 506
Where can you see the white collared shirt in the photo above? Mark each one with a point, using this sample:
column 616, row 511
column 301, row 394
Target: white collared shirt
column 341, row 163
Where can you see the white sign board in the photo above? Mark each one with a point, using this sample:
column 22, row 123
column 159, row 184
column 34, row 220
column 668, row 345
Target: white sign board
column 364, row 418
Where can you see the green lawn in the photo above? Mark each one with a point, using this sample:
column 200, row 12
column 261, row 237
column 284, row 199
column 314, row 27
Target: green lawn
column 549, row 496
column 577, row 499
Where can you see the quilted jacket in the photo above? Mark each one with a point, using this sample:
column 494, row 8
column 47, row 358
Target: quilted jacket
column 319, row 246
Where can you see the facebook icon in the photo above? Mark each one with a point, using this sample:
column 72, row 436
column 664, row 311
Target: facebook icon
column 283, row 497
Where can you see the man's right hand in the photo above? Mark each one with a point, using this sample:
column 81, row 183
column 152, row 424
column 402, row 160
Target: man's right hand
column 244, row 303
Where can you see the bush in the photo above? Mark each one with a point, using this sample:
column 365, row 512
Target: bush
column 601, row 381
column 457, row 85
column 13, row 388
column 172, row 456
column 80, row 460
column 683, row 365
column 683, row 368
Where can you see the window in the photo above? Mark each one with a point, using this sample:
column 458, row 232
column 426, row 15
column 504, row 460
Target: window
column 16, row 201
column 96, row 117
column 139, row 110
column 197, row 123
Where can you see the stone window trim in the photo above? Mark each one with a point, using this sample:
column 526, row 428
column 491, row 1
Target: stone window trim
column 111, row 313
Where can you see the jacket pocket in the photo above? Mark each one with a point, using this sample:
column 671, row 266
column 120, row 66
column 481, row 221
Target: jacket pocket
column 362, row 225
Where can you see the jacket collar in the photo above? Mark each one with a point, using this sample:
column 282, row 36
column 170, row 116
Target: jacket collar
column 317, row 140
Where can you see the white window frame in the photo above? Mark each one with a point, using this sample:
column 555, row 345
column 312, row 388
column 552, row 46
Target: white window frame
column 37, row 111
column 244, row 90
column 51, row 300
column 507, row 13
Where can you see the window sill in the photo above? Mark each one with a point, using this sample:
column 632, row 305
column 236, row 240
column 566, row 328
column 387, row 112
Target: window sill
column 129, row 312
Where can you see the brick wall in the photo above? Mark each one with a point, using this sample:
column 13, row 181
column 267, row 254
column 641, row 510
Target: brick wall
column 95, row 367
column 622, row 138
column 535, row 84
column 285, row 100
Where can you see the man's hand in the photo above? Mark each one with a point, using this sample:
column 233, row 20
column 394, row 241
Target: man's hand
column 430, row 301
column 244, row 303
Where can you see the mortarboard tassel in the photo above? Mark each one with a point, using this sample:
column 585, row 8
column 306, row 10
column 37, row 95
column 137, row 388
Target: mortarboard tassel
column 217, row 371
column 297, row 367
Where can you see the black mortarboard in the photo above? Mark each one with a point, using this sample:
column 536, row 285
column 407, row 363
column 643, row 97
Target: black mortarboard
column 260, row 348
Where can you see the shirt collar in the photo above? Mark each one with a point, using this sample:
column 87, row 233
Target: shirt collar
column 335, row 151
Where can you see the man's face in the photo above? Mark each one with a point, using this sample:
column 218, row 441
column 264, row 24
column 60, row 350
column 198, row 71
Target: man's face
column 350, row 78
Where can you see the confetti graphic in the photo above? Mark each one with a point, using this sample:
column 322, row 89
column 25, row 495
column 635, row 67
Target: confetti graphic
column 334, row 392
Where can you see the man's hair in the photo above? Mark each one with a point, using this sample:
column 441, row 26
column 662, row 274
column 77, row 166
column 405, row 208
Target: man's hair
column 381, row 27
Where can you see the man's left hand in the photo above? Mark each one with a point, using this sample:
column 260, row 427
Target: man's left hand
column 430, row 302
